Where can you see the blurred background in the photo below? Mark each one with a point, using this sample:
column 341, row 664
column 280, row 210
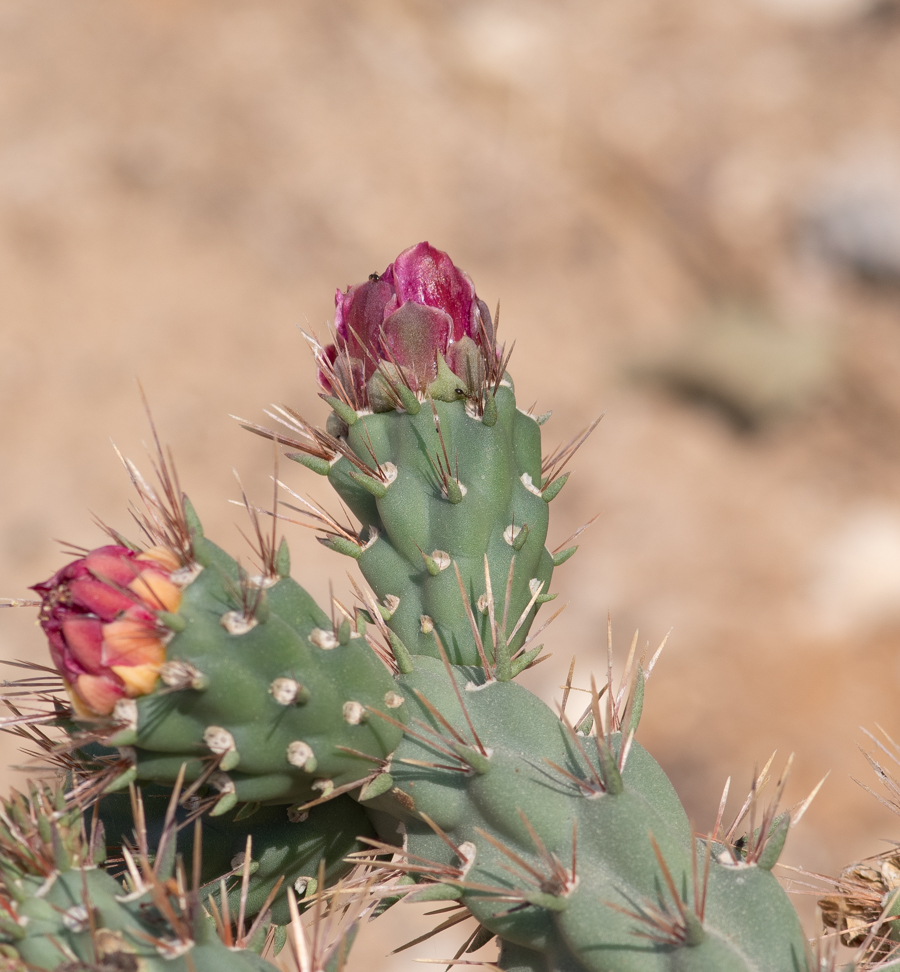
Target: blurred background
column 690, row 212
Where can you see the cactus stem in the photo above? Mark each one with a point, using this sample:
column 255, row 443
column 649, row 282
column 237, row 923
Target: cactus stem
column 674, row 924
column 434, row 740
column 459, row 697
column 451, row 487
column 485, row 664
column 554, row 882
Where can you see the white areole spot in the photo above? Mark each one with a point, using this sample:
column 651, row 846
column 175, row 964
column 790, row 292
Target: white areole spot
column 126, row 712
column 218, row 740
column 441, row 558
column 324, row 639
column 237, row 623
column 285, row 690
column 354, row 713
column 300, row 753
column 528, row 483
column 511, row 532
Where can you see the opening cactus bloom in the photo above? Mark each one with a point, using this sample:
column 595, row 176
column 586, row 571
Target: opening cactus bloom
column 419, row 324
column 99, row 613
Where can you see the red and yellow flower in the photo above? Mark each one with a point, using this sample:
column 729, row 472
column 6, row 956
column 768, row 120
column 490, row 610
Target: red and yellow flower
column 100, row 614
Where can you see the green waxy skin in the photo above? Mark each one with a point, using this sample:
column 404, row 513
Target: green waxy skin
column 748, row 925
column 278, row 752
column 284, row 843
column 415, row 516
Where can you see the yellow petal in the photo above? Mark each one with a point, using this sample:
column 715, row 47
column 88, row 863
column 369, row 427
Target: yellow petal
column 138, row 679
column 156, row 591
column 130, row 641
column 94, row 695
column 166, row 558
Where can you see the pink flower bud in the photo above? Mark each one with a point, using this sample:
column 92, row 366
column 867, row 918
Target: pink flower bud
column 408, row 317
column 99, row 614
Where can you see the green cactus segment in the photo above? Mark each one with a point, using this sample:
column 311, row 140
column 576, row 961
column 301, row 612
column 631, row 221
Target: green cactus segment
column 58, row 933
column 261, row 695
column 542, row 795
column 285, row 844
column 62, row 912
column 446, row 491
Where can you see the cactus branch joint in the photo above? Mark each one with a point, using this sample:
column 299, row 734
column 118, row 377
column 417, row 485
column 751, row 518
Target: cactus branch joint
column 239, row 769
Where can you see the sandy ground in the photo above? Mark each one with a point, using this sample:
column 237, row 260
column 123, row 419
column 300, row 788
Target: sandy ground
column 184, row 184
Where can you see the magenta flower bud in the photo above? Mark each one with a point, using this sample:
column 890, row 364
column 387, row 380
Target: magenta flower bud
column 422, row 310
column 99, row 615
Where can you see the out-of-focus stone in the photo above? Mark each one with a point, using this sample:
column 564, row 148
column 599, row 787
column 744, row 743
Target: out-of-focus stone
column 745, row 364
column 856, row 574
column 855, row 223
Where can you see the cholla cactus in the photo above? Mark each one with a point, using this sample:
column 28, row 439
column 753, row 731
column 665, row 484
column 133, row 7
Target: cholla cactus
column 61, row 910
column 392, row 735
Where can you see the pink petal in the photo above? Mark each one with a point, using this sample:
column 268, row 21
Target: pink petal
column 98, row 693
column 99, row 598
column 115, row 565
column 426, row 275
column 414, row 336
column 358, row 316
column 84, row 642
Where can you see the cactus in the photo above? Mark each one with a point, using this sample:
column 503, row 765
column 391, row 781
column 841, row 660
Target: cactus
column 567, row 845
column 287, row 846
column 396, row 727
column 63, row 911
column 427, row 448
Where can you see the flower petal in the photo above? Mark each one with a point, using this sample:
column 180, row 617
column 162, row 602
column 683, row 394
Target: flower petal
column 132, row 641
column 83, row 639
column 115, row 565
column 162, row 557
column 138, row 679
column 426, row 275
column 358, row 316
column 98, row 694
column 156, row 591
column 414, row 336
column 99, row 598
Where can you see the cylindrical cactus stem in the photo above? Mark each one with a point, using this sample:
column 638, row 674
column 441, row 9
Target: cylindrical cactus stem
column 572, row 846
column 429, row 450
